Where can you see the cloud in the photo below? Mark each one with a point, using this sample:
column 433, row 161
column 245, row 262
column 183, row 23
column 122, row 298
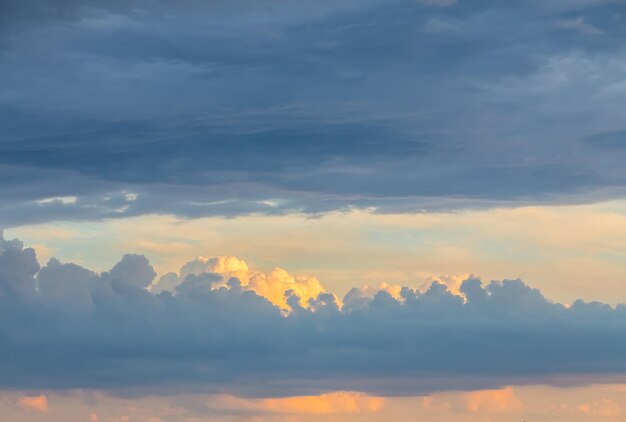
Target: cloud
column 34, row 403
column 593, row 402
column 359, row 297
column 579, row 24
column 204, row 274
column 295, row 107
column 605, row 408
column 502, row 400
column 65, row 327
column 341, row 402
column 492, row 401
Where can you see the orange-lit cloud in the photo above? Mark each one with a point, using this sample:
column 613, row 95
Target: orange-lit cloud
column 393, row 290
column 603, row 408
column 532, row 403
column 34, row 403
column 492, row 401
column 451, row 281
column 341, row 402
column 475, row 402
column 272, row 285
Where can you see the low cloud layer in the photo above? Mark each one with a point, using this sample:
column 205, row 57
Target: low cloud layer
column 202, row 108
column 65, row 327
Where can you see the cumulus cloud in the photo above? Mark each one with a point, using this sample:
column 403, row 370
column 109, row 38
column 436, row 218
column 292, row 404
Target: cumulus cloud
column 64, row 326
column 359, row 297
column 204, row 274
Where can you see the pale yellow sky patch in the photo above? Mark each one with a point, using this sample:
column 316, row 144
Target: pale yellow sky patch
column 569, row 252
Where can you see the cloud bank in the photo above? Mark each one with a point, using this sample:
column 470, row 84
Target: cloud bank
column 116, row 109
column 65, row 327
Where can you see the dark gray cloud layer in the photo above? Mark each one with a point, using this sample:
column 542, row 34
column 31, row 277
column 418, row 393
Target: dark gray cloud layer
column 227, row 108
column 63, row 326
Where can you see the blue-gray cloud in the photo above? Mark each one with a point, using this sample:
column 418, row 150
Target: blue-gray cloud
column 63, row 326
column 227, row 108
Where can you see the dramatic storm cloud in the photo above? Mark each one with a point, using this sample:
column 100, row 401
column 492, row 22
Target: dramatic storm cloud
column 63, row 326
column 113, row 109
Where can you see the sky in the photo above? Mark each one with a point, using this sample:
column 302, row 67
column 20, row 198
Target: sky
column 347, row 210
